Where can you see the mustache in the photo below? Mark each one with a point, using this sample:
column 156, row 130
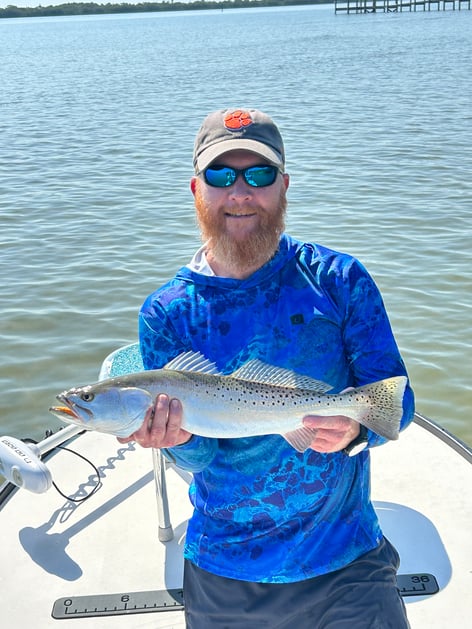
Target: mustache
column 248, row 253
column 212, row 223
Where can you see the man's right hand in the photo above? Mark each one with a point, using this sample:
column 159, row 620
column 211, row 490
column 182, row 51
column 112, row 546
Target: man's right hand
column 162, row 426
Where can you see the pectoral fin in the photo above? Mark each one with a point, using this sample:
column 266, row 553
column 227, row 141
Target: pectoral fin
column 301, row 438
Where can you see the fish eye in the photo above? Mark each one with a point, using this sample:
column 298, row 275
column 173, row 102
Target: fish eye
column 87, row 396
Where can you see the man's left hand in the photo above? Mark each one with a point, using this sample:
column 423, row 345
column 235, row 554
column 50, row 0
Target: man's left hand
column 332, row 433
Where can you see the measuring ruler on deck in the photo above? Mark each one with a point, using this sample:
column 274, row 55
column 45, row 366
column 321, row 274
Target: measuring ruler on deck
column 418, row 584
column 421, row 584
column 118, row 604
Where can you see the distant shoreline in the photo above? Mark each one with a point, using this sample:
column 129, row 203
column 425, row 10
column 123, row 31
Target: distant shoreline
column 92, row 8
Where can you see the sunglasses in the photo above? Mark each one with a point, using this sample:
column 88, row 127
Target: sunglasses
column 255, row 176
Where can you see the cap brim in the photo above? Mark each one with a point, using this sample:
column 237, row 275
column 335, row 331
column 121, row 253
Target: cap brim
column 213, row 152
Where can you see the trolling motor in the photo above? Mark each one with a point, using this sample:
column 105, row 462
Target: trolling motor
column 21, row 464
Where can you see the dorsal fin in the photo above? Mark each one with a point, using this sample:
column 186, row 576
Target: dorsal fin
column 252, row 371
column 193, row 361
column 258, row 371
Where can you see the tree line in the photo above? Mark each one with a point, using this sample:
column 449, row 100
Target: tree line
column 92, row 8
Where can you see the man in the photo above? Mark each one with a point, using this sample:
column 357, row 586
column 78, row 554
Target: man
column 278, row 538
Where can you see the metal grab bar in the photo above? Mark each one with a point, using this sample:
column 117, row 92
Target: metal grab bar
column 165, row 532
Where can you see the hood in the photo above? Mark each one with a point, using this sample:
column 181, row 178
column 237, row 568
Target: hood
column 288, row 249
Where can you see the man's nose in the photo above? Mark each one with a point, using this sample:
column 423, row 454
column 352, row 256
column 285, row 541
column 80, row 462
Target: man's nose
column 240, row 189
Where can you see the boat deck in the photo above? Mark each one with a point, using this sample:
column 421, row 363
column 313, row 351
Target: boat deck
column 54, row 552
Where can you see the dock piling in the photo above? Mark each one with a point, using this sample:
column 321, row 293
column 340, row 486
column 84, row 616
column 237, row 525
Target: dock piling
column 394, row 6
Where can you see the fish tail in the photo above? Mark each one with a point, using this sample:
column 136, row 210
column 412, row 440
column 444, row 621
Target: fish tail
column 383, row 406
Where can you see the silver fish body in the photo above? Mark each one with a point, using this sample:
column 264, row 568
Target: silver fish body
column 257, row 399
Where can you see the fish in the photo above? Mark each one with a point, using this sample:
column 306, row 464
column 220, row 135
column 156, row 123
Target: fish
column 256, row 399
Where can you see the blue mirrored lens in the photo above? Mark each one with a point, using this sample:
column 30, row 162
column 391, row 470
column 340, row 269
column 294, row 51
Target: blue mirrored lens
column 255, row 176
column 260, row 176
column 220, row 177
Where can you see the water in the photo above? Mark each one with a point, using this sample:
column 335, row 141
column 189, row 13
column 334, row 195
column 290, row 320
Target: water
column 97, row 120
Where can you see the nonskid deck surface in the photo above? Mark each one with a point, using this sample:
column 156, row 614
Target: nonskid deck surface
column 54, row 549
column 105, row 552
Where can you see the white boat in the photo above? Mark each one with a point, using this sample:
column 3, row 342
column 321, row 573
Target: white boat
column 115, row 559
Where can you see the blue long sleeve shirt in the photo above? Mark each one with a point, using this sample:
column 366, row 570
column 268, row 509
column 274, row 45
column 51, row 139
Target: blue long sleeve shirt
column 263, row 511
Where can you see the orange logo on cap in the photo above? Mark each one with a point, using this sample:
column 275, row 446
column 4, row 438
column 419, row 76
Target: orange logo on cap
column 237, row 120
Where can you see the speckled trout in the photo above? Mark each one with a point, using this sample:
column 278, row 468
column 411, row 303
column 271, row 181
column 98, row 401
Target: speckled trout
column 256, row 399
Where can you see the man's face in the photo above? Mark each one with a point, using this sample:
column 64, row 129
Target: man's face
column 242, row 224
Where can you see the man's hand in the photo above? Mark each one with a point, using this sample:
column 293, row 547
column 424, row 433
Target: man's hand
column 162, row 426
column 332, row 433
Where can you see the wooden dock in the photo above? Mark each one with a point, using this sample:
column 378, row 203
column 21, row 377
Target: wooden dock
column 396, row 6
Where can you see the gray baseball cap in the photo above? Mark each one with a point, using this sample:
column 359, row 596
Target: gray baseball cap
column 231, row 129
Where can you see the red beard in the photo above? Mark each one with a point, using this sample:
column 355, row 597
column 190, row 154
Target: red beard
column 253, row 251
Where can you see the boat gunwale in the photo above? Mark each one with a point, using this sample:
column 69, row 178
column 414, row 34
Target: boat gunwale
column 444, row 435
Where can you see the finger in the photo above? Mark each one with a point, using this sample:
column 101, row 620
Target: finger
column 174, row 423
column 157, row 427
column 329, row 438
column 334, row 422
column 126, row 439
column 332, row 433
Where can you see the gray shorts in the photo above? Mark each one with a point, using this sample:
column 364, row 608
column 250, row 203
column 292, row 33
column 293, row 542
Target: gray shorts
column 363, row 595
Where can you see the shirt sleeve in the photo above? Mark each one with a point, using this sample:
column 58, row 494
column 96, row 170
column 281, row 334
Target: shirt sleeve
column 193, row 456
column 369, row 341
column 159, row 344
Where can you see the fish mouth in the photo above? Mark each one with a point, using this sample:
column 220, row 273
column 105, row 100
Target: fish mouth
column 69, row 410
column 63, row 411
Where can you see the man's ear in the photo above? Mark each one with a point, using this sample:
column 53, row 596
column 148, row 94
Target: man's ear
column 193, row 185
